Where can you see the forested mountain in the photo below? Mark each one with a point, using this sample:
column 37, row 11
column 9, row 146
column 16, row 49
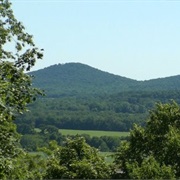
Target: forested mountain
column 73, row 78
column 81, row 97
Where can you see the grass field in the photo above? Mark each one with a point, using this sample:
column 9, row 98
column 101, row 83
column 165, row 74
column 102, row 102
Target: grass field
column 93, row 133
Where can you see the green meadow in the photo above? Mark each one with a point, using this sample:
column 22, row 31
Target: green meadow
column 93, row 133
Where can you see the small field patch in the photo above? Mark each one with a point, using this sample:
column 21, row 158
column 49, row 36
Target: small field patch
column 93, row 133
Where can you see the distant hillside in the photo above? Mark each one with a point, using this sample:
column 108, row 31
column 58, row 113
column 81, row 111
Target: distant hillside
column 73, row 78
column 82, row 97
column 168, row 83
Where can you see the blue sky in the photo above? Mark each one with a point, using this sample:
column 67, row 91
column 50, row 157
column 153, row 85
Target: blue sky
column 135, row 39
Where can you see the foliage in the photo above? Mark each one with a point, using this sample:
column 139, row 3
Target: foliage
column 76, row 160
column 149, row 169
column 27, row 167
column 12, row 31
column 153, row 151
column 17, row 54
column 116, row 112
column 31, row 142
column 84, row 98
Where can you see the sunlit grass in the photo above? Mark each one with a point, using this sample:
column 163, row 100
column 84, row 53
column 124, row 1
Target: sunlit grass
column 93, row 133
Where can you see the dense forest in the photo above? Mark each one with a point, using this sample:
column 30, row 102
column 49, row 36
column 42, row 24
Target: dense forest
column 76, row 78
column 115, row 112
column 80, row 97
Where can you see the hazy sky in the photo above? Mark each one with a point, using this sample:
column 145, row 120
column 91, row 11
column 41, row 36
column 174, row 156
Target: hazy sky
column 135, row 39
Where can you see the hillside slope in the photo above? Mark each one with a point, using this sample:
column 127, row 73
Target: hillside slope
column 74, row 78
column 168, row 83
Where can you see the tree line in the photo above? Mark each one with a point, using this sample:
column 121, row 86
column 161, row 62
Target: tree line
column 116, row 112
column 33, row 140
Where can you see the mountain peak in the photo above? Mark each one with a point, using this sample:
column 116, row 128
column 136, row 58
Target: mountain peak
column 73, row 78
column 81, row 78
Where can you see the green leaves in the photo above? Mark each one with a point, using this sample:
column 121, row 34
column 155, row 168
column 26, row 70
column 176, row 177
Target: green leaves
column 17, row 54
column 153, row 151
column 12, row 31
column 77, row 160
column 16, row 91
column 149, row 169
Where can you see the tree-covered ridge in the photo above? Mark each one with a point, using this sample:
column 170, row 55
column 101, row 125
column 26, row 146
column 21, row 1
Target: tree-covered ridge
column 74, row 78
column 168, row 83
column 116, row 112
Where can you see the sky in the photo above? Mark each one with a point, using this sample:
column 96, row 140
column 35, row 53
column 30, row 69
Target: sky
column 135, row 39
